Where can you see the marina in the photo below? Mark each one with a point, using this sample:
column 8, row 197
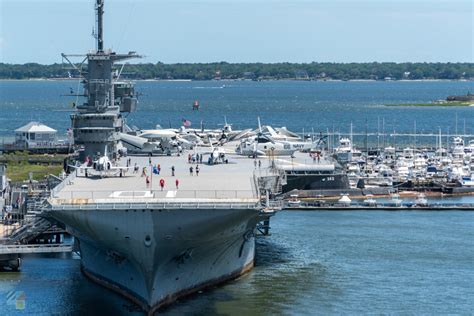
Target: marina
column 251, row 184
column 290, row 197
column 379, row 206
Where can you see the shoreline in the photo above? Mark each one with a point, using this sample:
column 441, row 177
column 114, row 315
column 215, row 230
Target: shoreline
column 263, row 79
column 439, row 104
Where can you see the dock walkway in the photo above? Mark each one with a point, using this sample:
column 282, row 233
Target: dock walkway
column 24, row 249
column 380, row 207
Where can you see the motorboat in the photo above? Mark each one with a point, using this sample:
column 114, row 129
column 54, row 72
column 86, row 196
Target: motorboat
column 421, row 200
column 293, row 201
column 370, row 201
column 344, row 200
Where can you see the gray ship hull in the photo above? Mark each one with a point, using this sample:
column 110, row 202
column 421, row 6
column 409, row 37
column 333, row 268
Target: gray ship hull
column 153, row 257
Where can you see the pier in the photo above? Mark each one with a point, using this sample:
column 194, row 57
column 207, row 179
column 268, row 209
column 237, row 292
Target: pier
column 26, row 229
column 27, row 249
column 382, row 206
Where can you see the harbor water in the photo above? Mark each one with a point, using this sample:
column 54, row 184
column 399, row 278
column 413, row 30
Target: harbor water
column 314, row 263
column 364, row 262
column 309, row 106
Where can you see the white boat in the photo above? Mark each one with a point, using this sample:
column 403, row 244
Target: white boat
column 344, row 151
column 421, row 200
column 468, row 181
column 395, row 200
column 370, row 201
column 344, row 200
column 293, row 201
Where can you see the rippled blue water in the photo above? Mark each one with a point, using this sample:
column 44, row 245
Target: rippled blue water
column 314, row 262
column 364, row 262
column 308, row 105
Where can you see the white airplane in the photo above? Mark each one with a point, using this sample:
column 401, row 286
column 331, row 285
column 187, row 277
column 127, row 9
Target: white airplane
column 227, row 133
column 139, row 144
column 170, row 136
column 209, row 136
column 217, row 155
column 104, row 166
column 264, row 144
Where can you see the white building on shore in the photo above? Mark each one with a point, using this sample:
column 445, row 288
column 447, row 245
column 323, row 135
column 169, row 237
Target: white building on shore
column 36, row 135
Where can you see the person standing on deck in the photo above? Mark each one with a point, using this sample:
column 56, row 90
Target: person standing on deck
column 172, row 171
column 177, row 184
column 191, row 170
column 162, row 184
column 197, row 170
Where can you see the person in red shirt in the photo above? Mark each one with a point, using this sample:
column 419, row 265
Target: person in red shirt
column 162, row 183
column 177, row 184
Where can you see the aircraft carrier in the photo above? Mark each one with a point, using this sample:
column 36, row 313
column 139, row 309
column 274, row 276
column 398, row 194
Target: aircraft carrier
column 152, row 241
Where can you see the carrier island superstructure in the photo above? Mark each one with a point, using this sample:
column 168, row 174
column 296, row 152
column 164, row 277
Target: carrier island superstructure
column 98, row 122
column 153, row 243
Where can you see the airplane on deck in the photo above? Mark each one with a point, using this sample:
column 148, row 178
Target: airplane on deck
column 268, row 142
column 102, row 166
column 217, row 155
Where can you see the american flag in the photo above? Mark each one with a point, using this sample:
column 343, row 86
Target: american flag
column 186, row 123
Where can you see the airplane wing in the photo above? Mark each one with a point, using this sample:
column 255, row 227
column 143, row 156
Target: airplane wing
column 272, row 132
column 80, row 167
column 120, row 168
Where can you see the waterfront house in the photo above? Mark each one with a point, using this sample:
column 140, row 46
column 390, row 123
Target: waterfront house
column 35, row 135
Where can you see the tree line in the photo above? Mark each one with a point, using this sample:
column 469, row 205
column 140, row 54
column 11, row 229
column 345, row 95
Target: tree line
column 257, row 71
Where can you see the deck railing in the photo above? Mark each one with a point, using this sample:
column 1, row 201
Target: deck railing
column 157, row 206
column 157, row 194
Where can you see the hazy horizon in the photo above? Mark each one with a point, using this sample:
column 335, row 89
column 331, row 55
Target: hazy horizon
column 266, row 31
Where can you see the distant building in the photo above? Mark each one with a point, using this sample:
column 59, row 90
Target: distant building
column 321, row 75
column 249, row 75
column 301, row 75
column 35, row 135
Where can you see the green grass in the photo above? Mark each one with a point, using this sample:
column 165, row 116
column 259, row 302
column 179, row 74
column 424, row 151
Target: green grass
column 20, row 164
column 450, row 103
column 18, row 172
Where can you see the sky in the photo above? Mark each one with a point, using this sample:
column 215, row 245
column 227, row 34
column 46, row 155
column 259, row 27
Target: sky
column 173, row 31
